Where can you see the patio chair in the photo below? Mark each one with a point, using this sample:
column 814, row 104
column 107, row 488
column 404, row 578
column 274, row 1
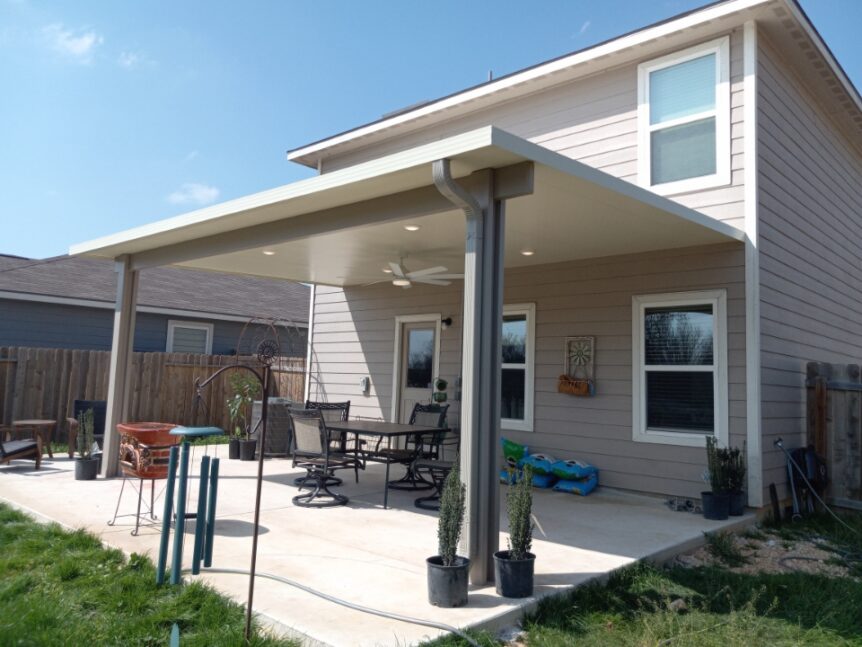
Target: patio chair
column 11, row 450
column 425, row 415
column 313, row 451
column 437, row 465
column 339, row 412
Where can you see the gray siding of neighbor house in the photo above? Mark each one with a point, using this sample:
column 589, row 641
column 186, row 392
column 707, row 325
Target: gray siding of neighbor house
column 50, row 325
column 810, row 249
column 593, row 120
column 354, row 333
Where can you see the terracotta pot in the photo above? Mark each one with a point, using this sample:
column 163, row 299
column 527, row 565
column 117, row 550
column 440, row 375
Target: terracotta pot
column 145, row 448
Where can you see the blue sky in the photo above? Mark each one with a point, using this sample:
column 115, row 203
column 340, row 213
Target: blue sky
column 114, row 114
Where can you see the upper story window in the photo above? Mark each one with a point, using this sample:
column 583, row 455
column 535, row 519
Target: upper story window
column 684, row 119
column 189, row 337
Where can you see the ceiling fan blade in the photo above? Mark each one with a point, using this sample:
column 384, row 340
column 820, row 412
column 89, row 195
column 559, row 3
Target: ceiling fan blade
column 397, row 270
column 365, row 285
column 429, row 270
column 429, row 281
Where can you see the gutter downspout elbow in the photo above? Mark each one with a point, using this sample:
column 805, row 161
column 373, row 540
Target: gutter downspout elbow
column 454, row 192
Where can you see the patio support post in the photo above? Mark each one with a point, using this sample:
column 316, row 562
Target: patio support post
column 481, row 364
column 121, row 360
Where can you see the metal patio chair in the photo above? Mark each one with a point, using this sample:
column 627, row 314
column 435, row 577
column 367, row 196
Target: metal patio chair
column 425, row 415
column 312, row 451
column 437, row 464
column 340, row 412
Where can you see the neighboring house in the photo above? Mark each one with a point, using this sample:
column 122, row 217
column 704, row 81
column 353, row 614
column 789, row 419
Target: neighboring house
column 688, row 194
column 68, row 302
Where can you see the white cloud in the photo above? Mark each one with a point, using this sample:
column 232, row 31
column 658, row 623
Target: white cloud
column 584, row 28
column 194, row 193
column 130, row 60
column 78, row 46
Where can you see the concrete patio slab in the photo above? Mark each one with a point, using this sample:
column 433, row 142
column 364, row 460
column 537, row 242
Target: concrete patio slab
column 362, row 553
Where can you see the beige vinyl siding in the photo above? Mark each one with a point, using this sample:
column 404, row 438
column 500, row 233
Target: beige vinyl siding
column 593, row 120
column 810, row 209
column 354, row 328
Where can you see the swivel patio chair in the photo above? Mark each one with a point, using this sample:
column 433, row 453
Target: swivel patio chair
column 338, row 412
column 425, row 415
column 11, row 450
column 441, row 459
column 312, row 450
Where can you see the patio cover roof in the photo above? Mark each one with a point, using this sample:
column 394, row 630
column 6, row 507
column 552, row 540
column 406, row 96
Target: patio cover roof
column 341, row 228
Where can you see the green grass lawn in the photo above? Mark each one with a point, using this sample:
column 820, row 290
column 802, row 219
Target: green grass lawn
column 64, row 588
column 637, row 605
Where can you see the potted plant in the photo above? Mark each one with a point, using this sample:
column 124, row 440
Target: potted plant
column 440, row 386
column 716, row 503
column 244, row 388
column 86, row 466
column 735, row 471
column 514, row 568
column 447, row 571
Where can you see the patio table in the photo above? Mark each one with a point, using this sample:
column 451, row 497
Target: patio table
column 42, row 428
column 382, row 430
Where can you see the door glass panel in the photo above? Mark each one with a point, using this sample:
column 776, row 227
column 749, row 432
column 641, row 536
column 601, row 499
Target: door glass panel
column 420, row 358
column 514, row 339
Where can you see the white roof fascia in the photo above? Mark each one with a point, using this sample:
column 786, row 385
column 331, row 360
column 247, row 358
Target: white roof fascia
column 109, row 305
column 645, row 35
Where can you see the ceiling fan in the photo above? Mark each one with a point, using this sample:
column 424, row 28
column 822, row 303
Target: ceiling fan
column 430, row 276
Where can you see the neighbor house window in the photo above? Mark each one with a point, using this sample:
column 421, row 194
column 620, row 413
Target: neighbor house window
column 516, row 383
column 680, row 367
column 684, row 119
column 190, row 337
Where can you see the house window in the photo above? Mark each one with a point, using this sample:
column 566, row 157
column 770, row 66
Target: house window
column 189, row 337
column 680, row 368
column 516, row 380
column 684, row 119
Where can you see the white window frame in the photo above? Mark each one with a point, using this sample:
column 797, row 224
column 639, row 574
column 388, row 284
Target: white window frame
column 528, row 309
column 197, row 325
column 640, row 433
column 722, row 176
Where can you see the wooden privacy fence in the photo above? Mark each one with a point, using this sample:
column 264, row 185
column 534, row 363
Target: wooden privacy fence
column 45, row 382
column 835, row 427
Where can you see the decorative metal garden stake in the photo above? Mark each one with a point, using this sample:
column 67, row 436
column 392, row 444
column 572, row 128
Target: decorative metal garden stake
column 166, row 519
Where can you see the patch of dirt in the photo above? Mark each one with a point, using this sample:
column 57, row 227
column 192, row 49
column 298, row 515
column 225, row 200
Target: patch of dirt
column 772, row 554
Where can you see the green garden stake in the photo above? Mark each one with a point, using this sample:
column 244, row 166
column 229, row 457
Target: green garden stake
column 180, row 521
column 211, row 510
column 200, row 517
column 166, row 519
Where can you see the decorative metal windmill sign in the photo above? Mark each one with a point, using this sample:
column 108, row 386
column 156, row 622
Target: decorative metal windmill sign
column 579, row 367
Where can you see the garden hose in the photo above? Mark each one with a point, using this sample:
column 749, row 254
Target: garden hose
column 349, row 605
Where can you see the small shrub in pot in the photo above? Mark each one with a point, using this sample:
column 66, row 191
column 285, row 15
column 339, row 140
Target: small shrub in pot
column 514, row 567
column 735, row 472
column 86, row 466
column 716, row 502
column 447, row 571
column 245, row 389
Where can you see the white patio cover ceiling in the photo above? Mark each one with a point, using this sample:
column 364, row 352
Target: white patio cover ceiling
column 342, row 228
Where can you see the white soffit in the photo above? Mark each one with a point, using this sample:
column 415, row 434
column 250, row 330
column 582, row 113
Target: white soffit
column 574, row 212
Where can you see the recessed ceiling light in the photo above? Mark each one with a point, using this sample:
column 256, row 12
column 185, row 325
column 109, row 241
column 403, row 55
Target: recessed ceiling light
column 401, row 282
column 527, row 252
column 412, row 227
column 268, row 252
column 387, row 270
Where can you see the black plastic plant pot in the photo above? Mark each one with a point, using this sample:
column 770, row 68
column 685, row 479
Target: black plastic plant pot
column 514, row 577
column 233, row 448
column 716, row 505
column 246, row 449
column 86, row 469
column 736, row 506
column 447, row 585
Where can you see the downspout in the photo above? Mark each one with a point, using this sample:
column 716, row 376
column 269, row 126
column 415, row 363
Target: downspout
column 454, row 192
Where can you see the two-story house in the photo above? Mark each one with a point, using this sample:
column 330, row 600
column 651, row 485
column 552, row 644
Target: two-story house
column 687, row 195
